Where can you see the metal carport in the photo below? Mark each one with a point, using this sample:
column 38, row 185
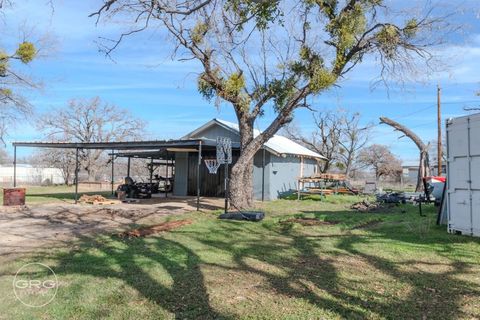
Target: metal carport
column 153, row 149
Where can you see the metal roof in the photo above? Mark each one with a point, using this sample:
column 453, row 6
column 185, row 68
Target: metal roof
column 277, row 144
column 126, row 145
column 148, row 154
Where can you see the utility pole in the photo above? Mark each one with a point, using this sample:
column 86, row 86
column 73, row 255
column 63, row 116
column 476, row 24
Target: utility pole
column 439, row 129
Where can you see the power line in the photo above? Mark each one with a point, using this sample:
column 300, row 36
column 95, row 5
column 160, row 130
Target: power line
column 424, row 109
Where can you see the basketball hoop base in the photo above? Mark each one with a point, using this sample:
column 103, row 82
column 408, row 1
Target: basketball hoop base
column 248, row 216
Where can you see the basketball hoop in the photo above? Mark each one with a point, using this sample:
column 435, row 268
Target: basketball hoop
column 212, row 165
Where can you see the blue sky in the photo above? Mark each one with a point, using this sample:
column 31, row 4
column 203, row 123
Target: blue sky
column 144, row 80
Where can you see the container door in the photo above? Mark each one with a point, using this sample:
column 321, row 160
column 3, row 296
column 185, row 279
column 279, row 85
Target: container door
column 460, row 210
column 460, row 175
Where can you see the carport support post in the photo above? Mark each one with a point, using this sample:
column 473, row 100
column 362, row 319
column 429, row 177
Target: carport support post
column 14, row 166
column 263, row 174
column 226, row 186
column 128, row 167
column 76, row 176
column 198, row 173
column 113, row 170
column 151, row 170
column 166, row 176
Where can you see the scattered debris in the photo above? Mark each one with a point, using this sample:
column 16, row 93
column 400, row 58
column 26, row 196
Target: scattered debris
column 96, row 199
column 146, row 231
column 392, row 197
column 308, row 221
column 365, row 206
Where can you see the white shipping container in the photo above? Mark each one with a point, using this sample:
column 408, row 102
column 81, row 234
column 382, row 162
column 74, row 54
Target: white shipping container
column 463, row 175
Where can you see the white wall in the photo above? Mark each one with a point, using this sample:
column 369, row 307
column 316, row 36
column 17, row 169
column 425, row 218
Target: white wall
column 26, row 174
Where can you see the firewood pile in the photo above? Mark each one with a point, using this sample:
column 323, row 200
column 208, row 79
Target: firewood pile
column 96, row 199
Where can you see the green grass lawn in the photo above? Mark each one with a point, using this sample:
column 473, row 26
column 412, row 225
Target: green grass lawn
column 54, row 194
column 392, row 265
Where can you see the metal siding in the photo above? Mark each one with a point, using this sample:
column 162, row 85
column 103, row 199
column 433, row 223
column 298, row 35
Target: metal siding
column 257, row 175
column 284, row 173
column 181, row 174
column 460, row 199
column 475, row 134
column 217, row 131
column 463, row 175
column 211, row 185
column 476, row 212
column 309, row 167
column 475, row 165
column 281, row 173
column 459, row 173
column 458, row 145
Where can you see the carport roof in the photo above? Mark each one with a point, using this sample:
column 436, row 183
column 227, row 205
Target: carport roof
column 126, row 145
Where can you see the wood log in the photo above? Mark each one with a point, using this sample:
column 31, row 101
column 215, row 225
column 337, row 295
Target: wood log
column 424, row 165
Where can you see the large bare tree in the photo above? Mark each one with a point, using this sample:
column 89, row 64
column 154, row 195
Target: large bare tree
column 90, row 121
column 354, row 137
column 338, row 136
column 381, row 160
column 261, row 54
column 324, row 139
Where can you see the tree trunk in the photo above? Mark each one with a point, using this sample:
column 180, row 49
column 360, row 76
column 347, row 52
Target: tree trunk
column 423, row 170
column 424, row 165
column 91, row 174
column 66, row 178
column 241, row 177
column 241, row 183
column 348, row 165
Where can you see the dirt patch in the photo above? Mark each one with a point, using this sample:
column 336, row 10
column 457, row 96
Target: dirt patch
column 147, row 231
column 26, row 228
column 368, row 224
column 308, row 221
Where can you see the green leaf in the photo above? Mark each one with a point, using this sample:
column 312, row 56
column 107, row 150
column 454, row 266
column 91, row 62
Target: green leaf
column 26, row 52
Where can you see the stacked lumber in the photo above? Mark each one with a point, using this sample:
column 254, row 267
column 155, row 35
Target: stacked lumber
column 324, row 176
column 318, row 191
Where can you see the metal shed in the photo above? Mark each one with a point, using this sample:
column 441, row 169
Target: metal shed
column 463, row 175
column 277, row 165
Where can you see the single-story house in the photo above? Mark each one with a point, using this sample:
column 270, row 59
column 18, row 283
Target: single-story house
column 277, row 165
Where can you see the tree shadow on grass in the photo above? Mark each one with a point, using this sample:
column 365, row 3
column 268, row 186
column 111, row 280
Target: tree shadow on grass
column 298, row 270
column 311, row 271
column 316, row 277
column 433, row 294
column 186, row 297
